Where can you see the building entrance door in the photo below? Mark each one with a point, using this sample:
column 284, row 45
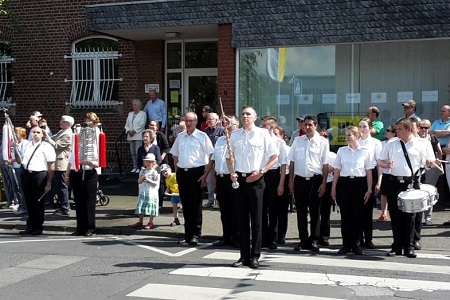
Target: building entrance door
column 200, row 89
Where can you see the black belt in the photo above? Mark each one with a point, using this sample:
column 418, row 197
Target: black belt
column 190, row 169
column 309, row 178
column 277, row 170
column 223, row 175
column 352, row 177
column 401, row 179
column 34, row 172
column 240, row 174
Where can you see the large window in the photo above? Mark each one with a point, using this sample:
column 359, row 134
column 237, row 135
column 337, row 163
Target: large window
column 95, row 73
column 342, row 81
column 5, row 74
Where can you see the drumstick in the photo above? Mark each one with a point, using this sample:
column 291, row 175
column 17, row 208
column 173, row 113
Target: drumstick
column 432, row 161
column 443, row 161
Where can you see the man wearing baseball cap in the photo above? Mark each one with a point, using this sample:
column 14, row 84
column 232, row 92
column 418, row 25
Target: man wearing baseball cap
column 409, row 108
column 300, row 131
column 62, row 142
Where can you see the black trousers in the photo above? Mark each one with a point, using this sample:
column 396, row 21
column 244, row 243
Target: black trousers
column 60, row 189
column 283, row 210
column 307, row 198
column 402, row 223
column 248, row 198
column 34, row 189
column 84, row 196
column 350, row 198
column 326, row 202
column 269, row 221
column 367, row 218
column 224, row 195
column 191, row 194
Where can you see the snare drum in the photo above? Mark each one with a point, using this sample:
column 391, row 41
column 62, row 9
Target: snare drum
column 434, row 195
column 412, row 201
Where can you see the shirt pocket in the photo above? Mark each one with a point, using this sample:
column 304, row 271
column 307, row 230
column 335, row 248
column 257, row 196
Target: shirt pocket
column 300, row 153
column 257, row 148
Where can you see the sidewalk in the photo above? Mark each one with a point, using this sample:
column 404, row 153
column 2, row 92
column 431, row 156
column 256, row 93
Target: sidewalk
column 117, row 217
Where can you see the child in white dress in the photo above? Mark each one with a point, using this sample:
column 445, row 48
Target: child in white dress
column 148, row 192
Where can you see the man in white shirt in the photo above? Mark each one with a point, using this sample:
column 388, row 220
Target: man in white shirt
column 307, row 180
column 254, row 154
column 39, row 163
column 191, row 152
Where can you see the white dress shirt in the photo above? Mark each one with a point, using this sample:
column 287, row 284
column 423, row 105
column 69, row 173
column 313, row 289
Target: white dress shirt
column 352, row 162
column 282, row 154
column 220, row 156
column 252, row 149
column 374, row 147
column 309, row 155
column 38, row 161
column 419, row 150
column 192, row 150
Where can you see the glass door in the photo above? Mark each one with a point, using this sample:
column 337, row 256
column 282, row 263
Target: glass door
column 200, row 90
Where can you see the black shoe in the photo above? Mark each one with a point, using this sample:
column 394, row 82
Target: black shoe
column 314, row 247
column 254, row 263
column 394, row 253
column 77, row 233
column 89, row 233
column 417, row 245
column 323, row 242
column 240, row 263
column 369, row 245
column 410, row 254
column 344, row 250
column 220, row 243
column 281, row 241
column 357, row 251
column 273, row 246
column 26, row 231
column 36, row 232
column 193, row 241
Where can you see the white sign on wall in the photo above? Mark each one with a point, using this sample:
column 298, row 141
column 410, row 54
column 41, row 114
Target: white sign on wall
column 378, row 97
column 151, row 86
column 351, row 98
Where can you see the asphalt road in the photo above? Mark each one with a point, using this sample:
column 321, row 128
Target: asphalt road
column 59, row 266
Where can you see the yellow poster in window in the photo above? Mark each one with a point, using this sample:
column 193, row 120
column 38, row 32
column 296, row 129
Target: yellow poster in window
column 336, row 133
column 174, row 96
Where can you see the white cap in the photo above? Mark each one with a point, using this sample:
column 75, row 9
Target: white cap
column 68, row 119
column 150, row 157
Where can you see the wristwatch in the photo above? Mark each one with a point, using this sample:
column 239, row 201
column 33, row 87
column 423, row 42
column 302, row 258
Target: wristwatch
column 262, row 172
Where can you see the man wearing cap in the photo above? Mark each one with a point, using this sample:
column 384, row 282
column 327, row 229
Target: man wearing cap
column 191, row 152
column 62, row 143
column 409, row 108
column 300, row 131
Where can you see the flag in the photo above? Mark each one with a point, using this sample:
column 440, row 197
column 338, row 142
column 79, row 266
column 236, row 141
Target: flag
column 6, row 142
column 276, row 63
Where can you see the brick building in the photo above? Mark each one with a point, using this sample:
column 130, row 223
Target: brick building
column 342, row 56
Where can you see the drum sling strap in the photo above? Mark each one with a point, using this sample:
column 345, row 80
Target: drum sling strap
column 32, row 154
column 415, row 182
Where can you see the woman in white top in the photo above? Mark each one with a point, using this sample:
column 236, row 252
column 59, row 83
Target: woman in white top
column 374, row 147
column 351, row 188
column 134, row 127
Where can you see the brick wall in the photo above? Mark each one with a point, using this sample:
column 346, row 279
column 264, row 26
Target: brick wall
column 226, row 69
column 40, row 37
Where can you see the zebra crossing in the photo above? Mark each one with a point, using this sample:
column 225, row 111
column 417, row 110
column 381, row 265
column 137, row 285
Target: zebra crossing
column 285, row 276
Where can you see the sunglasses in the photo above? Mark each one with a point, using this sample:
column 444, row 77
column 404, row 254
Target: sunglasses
column 423, row 127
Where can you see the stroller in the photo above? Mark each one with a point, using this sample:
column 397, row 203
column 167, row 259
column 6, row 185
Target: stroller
column 102, row 199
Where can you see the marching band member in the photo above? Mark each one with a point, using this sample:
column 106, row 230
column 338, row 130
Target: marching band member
column 395, row 156
column 351, row 189
column 83, row 175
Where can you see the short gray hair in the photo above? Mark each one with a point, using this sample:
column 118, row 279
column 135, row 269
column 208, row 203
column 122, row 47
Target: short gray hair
column 138, row 102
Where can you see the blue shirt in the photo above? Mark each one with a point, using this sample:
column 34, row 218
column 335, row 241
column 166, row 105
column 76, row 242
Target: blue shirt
column 439, row 125
column 214, row 133
column 156, row 111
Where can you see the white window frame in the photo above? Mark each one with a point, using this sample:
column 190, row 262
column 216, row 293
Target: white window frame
column 97, row 87
column 5, row 80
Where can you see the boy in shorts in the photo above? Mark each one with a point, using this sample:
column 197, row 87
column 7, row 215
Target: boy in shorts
column 172, row 190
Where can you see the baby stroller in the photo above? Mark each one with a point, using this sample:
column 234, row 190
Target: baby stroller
column 102, row 199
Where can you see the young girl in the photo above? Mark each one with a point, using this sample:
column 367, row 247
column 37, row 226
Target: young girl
column 148, row 192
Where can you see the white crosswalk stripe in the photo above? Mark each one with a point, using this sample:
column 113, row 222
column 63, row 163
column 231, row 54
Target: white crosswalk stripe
column 265, row 277
column 176, row 292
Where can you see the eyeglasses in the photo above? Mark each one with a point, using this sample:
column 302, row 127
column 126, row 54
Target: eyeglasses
column 423, row 127
column 444, row 110
column 188, row 121
column 406, row 107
